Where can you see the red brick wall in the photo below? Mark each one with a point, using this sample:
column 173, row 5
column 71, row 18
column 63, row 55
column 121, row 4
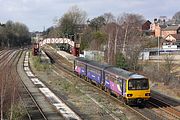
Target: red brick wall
column 166, row 33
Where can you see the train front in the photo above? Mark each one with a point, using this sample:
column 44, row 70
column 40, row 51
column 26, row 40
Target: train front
column 137, row 89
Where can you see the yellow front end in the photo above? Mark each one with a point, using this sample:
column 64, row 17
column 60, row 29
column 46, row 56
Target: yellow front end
column 134, row 94
column 137, row 96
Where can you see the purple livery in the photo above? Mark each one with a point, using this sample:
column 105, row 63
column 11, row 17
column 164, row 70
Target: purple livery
column 113, row 86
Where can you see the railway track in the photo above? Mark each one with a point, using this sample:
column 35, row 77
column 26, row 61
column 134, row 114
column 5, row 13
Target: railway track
column 33, row 110
column 169, row 112
column 92, row 90
column 165, row 109
column 58, row 104
column 9, row 73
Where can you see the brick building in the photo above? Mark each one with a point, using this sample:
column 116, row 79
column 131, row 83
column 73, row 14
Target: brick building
column 170, row 30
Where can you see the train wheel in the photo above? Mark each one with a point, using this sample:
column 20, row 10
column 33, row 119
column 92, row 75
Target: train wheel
column 125, row 101
column 102, row 87
column 86, row 78
column 109, row 91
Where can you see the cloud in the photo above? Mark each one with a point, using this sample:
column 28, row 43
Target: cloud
column 37, row 14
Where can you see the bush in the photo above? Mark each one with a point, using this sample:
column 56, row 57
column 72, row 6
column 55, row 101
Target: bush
column 38, row 65
column 121, row 61
column 18, row 112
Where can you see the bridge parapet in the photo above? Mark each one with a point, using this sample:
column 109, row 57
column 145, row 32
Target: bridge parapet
column 57, row 40
column 74, row 46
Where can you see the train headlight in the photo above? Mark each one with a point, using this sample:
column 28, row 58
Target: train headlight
column 129, row 95
column 147, row 94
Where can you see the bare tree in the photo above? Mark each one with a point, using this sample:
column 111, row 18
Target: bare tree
column 176, row 17
column 167, row 69
column 111, row 31
column 109, row 18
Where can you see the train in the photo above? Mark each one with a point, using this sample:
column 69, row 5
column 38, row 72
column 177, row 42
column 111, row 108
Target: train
column 131, row 87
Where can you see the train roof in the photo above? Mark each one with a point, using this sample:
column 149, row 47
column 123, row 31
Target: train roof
column 123, row 73
column 118, row 72
column 81, row 59
column 92, row 63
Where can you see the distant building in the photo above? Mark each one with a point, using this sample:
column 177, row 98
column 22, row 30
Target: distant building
column 146, row 28
column 157, row 27
column 170, row 30
column 173, row 37
column 146, row 25
column 172, row 41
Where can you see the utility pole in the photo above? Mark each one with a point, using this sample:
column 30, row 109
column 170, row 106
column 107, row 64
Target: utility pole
column 158, row 53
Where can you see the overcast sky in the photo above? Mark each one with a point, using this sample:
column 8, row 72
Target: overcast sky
column 39, row 14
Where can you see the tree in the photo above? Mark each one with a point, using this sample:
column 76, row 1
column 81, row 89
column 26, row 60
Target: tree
column 69, row 21
column 109, row 18
column 167, row 69
column 97, row 23
column 98, row 40
column 86, row 39
column 110, row 30
column 132, row 41
column 14, row 35
column 176, row 17
column 121, row 61
column 53, row 32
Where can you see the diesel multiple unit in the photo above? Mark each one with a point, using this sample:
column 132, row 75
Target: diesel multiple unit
column 132, row 87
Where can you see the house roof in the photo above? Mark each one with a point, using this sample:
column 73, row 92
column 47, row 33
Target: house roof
column 147, row 22
column 176, row 36
column 163, row 26
column 171, row 28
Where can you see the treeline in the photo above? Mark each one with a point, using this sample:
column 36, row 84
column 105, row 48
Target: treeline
column 14, row 34
column 119, row 37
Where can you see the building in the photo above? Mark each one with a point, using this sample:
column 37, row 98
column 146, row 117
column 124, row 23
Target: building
column 170, row 30
column 157, row 29
column 173, row 37
column 146, row 28
column 171, row 41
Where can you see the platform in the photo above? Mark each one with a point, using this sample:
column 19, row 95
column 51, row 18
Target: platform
column 67, row 56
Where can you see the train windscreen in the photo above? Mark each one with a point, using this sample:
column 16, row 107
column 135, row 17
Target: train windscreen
column 138, row 84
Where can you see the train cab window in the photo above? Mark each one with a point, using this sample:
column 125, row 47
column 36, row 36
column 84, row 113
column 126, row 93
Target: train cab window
column 138, row 84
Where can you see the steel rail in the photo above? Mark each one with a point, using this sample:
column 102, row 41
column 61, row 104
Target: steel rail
column 60, row 65
column 43, row 116
column 167, row 108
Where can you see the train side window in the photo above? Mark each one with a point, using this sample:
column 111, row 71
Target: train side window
column 107, row 76
column 120, row 81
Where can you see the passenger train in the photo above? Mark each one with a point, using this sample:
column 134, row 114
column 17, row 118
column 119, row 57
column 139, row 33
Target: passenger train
column 132, row 87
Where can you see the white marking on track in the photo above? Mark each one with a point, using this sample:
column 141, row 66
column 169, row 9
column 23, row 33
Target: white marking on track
column 55, row 101
column 29, row 74
column 36, row 81
column 26, row 69
column 55, row 72
column 59, row 104
column 26, row 64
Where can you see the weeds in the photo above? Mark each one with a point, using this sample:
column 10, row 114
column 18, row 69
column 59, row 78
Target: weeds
column 18, row 112
column 38, row 64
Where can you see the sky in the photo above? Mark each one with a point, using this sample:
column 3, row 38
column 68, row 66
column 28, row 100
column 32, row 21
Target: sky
column 41, row 14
